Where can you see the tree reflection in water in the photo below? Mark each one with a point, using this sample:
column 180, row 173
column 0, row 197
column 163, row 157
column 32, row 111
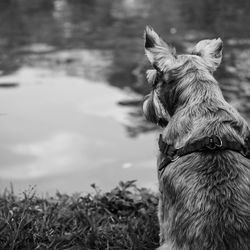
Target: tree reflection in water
column 116, row 28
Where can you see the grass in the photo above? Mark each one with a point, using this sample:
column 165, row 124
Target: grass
column 124, row 218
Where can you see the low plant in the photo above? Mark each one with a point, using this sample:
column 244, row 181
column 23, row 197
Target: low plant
column 124, row 218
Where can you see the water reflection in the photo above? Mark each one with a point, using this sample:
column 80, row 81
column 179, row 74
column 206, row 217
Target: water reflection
column 93, row 64
column 66, row 126
column 9, row 85
column 72, row 78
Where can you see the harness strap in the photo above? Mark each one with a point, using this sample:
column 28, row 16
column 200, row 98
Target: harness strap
column 204, row 144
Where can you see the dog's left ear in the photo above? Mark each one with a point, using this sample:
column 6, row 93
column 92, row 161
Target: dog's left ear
column 210, row 51
column 159, row 53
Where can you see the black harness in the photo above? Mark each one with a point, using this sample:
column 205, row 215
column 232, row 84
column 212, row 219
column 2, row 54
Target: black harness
column 205, row 144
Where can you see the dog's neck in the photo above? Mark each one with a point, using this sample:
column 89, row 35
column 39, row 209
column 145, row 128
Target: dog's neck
column 203, row 116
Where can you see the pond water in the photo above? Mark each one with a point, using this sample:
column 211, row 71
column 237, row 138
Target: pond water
column 72, row 81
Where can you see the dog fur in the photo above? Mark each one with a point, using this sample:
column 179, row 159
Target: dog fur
column 204, row 199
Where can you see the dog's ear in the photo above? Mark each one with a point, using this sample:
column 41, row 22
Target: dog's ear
column 159, row 53
column 210, row 51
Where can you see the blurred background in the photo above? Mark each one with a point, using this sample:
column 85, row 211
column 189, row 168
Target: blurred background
column 72, row 80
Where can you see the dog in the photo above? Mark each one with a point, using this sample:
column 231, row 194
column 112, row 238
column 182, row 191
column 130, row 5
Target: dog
column 203, row 163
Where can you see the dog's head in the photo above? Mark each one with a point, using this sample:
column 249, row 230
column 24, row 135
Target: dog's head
column 174, row 77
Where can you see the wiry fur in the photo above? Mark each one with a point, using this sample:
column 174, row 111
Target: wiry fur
column 204, row 196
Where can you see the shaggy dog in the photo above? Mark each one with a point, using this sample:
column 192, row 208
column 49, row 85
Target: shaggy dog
column 203, row 163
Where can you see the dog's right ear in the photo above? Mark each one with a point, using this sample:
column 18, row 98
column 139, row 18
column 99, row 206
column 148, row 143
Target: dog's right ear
column 159, row 53
column 210, row 51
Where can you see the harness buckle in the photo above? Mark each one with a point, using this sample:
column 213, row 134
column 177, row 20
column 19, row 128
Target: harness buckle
column 214, row 142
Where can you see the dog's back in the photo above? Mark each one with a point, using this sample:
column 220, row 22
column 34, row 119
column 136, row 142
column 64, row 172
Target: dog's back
column 205, row 202
column 204, row 196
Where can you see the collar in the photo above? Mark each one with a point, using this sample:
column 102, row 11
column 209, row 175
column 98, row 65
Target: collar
column 204, row 144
